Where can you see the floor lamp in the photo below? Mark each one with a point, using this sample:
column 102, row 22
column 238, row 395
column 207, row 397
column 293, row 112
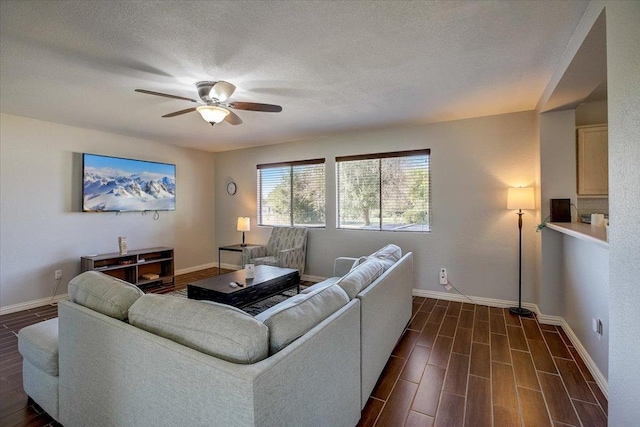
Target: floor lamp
column 520, row 198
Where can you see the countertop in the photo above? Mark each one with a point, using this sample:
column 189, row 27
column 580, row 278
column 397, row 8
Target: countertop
column 579, row 230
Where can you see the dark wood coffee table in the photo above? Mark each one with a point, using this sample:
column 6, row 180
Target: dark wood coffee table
column 268, row 281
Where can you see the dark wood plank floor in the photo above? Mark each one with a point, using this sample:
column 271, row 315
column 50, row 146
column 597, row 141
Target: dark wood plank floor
column 460, row 364
column 456, row 365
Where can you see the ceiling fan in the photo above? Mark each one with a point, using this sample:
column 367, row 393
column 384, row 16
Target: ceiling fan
column 215, row 109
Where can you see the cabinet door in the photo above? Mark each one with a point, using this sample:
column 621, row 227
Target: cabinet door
column 593, row 161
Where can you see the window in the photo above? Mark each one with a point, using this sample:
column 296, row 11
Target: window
column 292, row 193
column 386, row 191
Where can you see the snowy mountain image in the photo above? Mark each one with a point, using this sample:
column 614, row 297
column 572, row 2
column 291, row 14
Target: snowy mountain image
column 114, row 184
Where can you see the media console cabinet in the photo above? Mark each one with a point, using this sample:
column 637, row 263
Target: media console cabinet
column 133, row 265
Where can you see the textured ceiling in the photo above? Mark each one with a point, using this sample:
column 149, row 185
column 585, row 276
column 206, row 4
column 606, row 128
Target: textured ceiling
column 333, row 66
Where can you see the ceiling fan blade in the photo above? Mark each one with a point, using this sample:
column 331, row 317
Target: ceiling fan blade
column 233, row 119
column 254, row 106
column 222, row 91
column 166, row 95
column 177, row 113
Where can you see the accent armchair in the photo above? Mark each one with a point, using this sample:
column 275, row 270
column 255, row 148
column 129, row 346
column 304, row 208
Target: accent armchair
column 287, row 247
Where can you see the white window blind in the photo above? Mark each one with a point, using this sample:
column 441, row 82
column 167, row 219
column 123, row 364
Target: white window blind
column 385, row 191
column 292, row 193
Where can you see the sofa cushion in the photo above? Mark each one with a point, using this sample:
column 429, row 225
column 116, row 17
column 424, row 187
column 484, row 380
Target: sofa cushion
column 389, row 254
column 104, row 294
column 215, row 329
column 296, row 316
column 320, row 285
column 360, row 277
column 38, row 344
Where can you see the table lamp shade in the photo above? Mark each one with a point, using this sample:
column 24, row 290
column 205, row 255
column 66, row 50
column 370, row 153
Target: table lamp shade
column 520, row 198
column 244, row 223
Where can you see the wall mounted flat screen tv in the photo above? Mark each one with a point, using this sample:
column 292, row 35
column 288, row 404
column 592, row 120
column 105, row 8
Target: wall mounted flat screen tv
column 114, row 184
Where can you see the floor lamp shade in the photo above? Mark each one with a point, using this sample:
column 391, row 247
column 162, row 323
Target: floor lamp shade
column 520, row 198
column 244, row 224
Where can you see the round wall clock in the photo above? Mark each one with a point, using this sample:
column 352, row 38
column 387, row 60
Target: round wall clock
column 232, row 188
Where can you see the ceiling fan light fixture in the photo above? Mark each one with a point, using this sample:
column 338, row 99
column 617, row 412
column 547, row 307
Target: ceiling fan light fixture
column 212, row 114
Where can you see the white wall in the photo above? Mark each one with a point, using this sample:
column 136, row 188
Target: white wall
column 557, row 181
column 591, row 113
column 557, row 159
column 623, row 63
column 585, row 294
column 42, row 228
column 473, row 163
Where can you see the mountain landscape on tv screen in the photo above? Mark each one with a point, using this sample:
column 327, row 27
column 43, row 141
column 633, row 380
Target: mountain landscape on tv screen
column 106, row 189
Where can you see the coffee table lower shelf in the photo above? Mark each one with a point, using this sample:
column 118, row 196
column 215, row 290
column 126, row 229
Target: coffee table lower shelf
column 268, row 281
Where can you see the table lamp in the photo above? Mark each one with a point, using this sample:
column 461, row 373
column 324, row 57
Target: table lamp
column 244, row 224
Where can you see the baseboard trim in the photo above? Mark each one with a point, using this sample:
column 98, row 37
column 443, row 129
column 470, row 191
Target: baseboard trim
column 32, row 304
column 591, row 365
column 197, row 268
column 45, row 301
column 542, row 318
column 492, row 302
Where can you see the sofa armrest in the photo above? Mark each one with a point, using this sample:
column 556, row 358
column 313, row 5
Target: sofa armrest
column 386, row 307
column 342, row 265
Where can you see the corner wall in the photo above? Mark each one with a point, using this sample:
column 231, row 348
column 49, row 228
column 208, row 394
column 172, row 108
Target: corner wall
column 557, row 181
column 474, row 236
column 42, row 228
column 623, row 63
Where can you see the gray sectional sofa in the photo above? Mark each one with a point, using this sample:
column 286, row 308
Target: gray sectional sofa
column 127, row 359
column 385, row 308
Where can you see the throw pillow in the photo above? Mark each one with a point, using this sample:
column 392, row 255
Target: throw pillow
column 359, row 261
column 389, row 254
column 360, row 277
column 215, row 329
column 296, row 316
column 104, row 294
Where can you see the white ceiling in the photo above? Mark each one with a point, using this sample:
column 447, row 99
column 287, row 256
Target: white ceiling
column 585, row 79
column 333, row 66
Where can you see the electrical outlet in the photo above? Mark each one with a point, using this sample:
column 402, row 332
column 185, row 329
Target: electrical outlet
column 596, row 325
column 58, row 274
column 443, row 276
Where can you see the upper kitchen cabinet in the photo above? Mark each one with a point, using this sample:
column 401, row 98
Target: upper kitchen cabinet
column 593, row 161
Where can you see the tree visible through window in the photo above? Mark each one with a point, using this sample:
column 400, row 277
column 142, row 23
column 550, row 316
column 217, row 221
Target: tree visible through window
column 292, row 193
column 386, row 191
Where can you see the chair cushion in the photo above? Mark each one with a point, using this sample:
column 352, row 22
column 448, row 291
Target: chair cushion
column 104, row 294
column 215, row 329
column 389, row 254
column 266, row 260
column 296, row 316
column 38, row 344
column 361, row 276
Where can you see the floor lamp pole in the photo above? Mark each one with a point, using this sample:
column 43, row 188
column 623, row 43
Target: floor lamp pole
column 519, row 310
